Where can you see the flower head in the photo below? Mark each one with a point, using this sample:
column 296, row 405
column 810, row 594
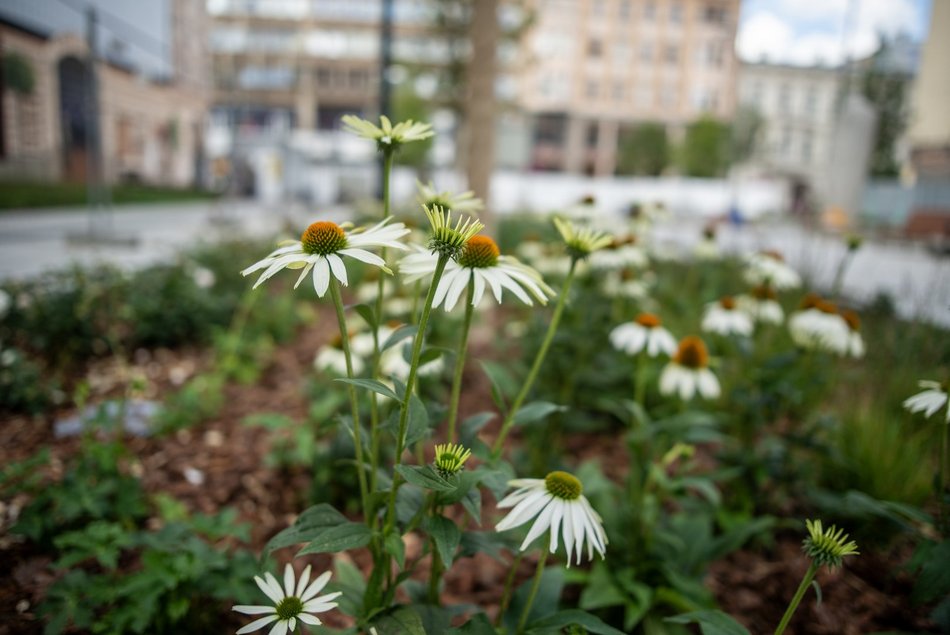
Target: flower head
column 464, row 202
column 388, row 137
column 688, row 372
column 294, row 601
column 446, row 239
column 827, row 547
column 769, row 267
column 726, row 318
column 320, row 249
column 555, row 503
column 818, row 325
column 645, row 332
column 934, row 396
column 762, row 304
column 854, row 343
column 481, row 264
column 450, row 458
column 581, row 241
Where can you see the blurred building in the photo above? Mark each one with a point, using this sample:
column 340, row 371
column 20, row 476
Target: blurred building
column 798, row 107
column 151, row 129
column 594, row 67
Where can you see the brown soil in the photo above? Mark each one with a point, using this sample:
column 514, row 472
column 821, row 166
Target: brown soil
column 755, row 586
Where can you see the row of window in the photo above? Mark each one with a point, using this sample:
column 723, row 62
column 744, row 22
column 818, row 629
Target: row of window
column 810, row 100
column 709, row 13
column 712, row 54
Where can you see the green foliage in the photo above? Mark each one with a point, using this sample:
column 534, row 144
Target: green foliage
column 18, row 73
column 408, row 105
column 886, row 89
column 643, row 150
column 705, row 151
column 23, row 388
column 32, row 194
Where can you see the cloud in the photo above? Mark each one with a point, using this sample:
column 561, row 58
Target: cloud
column 807, row 32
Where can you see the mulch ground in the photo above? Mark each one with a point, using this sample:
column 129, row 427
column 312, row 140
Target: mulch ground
column 869, row 594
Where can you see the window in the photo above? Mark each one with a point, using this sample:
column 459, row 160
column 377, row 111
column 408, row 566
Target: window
column 323, row 77
column 591, row 88
column 624, row 10
column 784, row 95
column 618, row 91
column 676, row 13
column 806, row 147
column 785, row 146
column 671, row 54
column 595, row 48
column 811, row 99
column 646, row 52
column 714, row 15
column 358, row 79
column 593, row 131
column 649, row 11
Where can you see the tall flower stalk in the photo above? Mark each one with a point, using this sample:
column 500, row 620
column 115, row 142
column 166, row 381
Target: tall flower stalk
column 460, row 354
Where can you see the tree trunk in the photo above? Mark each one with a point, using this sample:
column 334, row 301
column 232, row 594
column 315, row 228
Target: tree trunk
column 480, row 103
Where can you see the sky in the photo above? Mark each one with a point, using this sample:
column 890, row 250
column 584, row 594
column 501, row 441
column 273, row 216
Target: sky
column 143, row 45
column 807, row 32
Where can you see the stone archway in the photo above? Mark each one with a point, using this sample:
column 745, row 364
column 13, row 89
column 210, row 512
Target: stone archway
column 73, row 76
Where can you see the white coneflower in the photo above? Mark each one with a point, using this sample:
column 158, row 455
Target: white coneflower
column 446, row 239
column 466, row 202
column 481, row 264
column 387, row 136
column 619, row 284
column 204, row 278
column 817, row 325
column 726, row 318
column 621, row 254
column 581, row 241
column 932, row 398
column 854, row 343
column 768, row 267
column 645, row 332
column 294, row 601
column 331, row 359
column 320, row 247
column 688, row 372
column 762, row 304
column 707, row 248
column 555, row 503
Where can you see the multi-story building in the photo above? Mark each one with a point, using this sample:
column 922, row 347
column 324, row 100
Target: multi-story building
column 592, row 67
column 797, row 106
column 150, row 130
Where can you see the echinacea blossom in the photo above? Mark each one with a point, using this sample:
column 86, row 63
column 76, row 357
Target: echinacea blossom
column 688, row 372
column 762, row 304
column 450, row 458
column 769, row 267
column 387, row 136
column 481, row 264
column 618, row 284
column 446, row 239
column 331, row 359
column 294, row 601
column 644, row 333
column 320, row 249
column 817, row 325
column 726, row 318
column 707, row 248
column 466, row 202
column 827, row 547
column 555, row 503
column 932, row 398
column 620, row 255
column 581, row 241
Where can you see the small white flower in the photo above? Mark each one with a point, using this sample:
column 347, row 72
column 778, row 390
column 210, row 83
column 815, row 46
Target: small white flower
column 688, row 372
column 934, row 397
column 331, row 359
column 769, row 268
column 294, row 601
column 480, row 264
column 204, row 278
column 392, row 363
column 762, row 305
column 725, row 318
column 819, row 326
column 645, row 332
column 620, row 257
column 320, row 247
column 386, row 135
column 464, row 202
column 618, row 286
column 707, row 248
column 555, row 503
column 581, row 241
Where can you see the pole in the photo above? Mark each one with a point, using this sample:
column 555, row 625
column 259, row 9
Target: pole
column 385, row 61
column 100, row 221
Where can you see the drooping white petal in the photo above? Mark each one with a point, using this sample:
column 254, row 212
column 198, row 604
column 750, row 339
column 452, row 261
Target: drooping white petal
column 541, row 525
column 321, row 276
column 363, row 256
column 256, row 624
column 708, row 384
column 280, row 628
column 303, row 274
column 459, row 284
column 448, row 277
column 478, row 279
column 557, row 515
column 524, row 510
column 253, row 609
column 312, row 620
column 338, row 268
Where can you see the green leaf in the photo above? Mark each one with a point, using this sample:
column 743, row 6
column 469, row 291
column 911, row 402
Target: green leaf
column 545, row 603
column 371, row 384
column 339, row 538
column 536, row 411
column 398, row 335
column 817, row 587
column 418, row 424
column 711, row 622
column 446, row 536
column 365, row 311
column 395, row 547
column 425, row 477
column 491, row 543
column 308, row 526
column 468, row 431
column 499, row 378
column 402, row 621
column 479, row 624
column 600, row 590
column 562, row 619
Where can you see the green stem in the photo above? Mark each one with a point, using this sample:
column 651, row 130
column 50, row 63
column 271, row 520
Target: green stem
column 410, row 383
column 538, row 360
column 942, row 480
column 354, row 403
column 509, row 584
column 460, row 362
column 799, row 594
column 640, row 385
column 522, row 621
column 388, row 155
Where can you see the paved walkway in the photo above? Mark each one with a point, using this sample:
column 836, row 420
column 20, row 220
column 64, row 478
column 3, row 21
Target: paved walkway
column 35, row 241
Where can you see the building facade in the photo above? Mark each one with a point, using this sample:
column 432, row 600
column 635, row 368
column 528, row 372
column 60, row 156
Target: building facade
column 590, row 68
column 150, row 131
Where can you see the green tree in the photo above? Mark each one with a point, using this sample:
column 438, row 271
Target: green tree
column 408, row 105
column 886, row 89
column 705, row 151
column 644, row 149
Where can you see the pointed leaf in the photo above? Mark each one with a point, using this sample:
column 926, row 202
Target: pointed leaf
column 340, row 538
column 399, row 335
column 536, row 411
column 446, row 536
column 365, row 311
column 576, row 617
column 711, row 622
column 371, row 384
column 425, row 477
column 308, row 526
